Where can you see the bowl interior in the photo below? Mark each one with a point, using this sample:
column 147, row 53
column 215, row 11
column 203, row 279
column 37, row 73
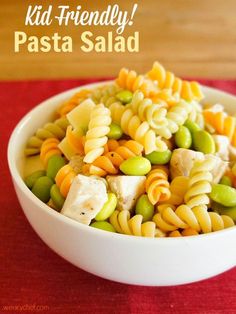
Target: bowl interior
column 45, row 112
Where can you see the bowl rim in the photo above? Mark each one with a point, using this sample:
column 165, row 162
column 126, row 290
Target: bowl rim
column 18, row 180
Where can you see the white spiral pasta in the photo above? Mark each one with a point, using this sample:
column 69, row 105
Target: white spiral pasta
column 98, row 128
column 177, row 115
column 153, row 113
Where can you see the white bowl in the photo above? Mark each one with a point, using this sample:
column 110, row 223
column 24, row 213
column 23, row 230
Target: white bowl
column 122, row 258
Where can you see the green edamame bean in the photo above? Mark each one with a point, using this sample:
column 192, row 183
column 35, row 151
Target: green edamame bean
column 144, row 207
column 57, row 198
column 231, row 212
column 41, row 188
column 203, row 142
column 192, row 126
column 183, row 137
column 223, row 210
column 54, row 165
column 224, row 195
column 31, row 179
column 108, row 208
column 226, row 181
column 115, row 131
column 136, row 166
column 159, row 158
column 124, row 96
column 104, row 225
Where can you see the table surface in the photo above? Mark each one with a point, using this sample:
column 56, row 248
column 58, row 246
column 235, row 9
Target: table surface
column 33, row 278
column 191, row 38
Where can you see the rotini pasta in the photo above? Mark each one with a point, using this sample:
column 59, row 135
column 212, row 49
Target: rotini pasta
column 131, row 81
column 183, row 233
column 176, row 116
column 55, row 129
column 64, row 179
column 110, row 162
column 76, row 142
column 96, row 137
column 106, row 95
column 197, row 218
column 49, row 148
column 167, row 80
column 122, row 223
column 200, row 183
column 178, row 188
column 117, row 110
column 157, row 185
column 141, row 132
column 146, row 110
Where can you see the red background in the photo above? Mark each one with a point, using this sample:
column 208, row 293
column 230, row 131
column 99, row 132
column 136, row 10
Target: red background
column 32, row 275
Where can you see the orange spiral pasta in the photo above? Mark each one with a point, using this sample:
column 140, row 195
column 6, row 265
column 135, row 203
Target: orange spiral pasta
column 109, row 163
column 74, row 101
column 100, row 167
column 167, row 80
column 64, row 179
column 49, row 148
column 131, row 81
column 111, row 145
column 222, row 123
column 76, row 142
column 184, row 233
column 157, row 185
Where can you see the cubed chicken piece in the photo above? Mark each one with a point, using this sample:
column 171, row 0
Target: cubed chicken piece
column 85, row 199
column 222, row 146
column 219, row 169
column 127, row 189
column 182, row 161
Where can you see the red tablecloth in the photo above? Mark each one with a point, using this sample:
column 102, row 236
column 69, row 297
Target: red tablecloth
column 33, row 278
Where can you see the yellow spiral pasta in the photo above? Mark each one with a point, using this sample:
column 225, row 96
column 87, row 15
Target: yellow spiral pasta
column 167, row 80
column 117, row 110
column 178, row 188
column 122, row 223
column 131, row 81
column 197, row 218
column 74, row 101
column 48, row 149
column 200, row 183
column 157, row 185
column 141, row 132
column 98, row 128
column 64, row 179
column 55, row 129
